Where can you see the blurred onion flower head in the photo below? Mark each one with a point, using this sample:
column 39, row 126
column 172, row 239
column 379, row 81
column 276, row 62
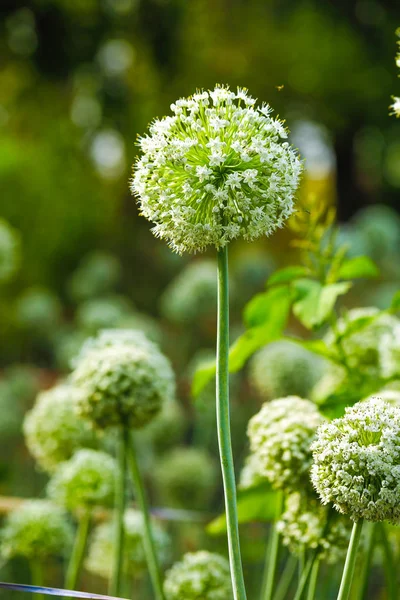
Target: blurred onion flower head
column 357, row 461
column 284, row 368
column 98, row 273
column 304, row 525
column 36, row 530
column 52, row 429
column 361, row 331
column 389, row 348
column 38, row 309
column 280, row 436
column 250, row 475
column 220, row 168
column 99, row 559
column 122, row 379
column 9, row 251
column 84, row 481
column 101, row 313
column 166, row 429
column 199, row 576
column 192, row 294
column 388, row 394
column 186, row 478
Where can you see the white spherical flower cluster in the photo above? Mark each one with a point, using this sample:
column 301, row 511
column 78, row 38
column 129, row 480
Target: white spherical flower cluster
column 280, row 436
column 36, row 530
column 99, row 559
column 123, row 378
column 361, row 331
column 199, row 576
column 192, row 294
column 9, row 251
column 282, row 369
column 388, row 394
column 186, row 478
column 84, row 481
column 218, row 169
column 357, row 461
column 306, row 524
column 53, row 432
column 389, row 348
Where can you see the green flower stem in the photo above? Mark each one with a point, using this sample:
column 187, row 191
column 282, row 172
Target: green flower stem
column 78, row 551
column 312, row 586
column 272, row 556
column 37, row 577
column 120, row 496
column 286, row 578
column 365, row 566
column 223, row 427
column 348, row 571
column 148, row 542
column 389, row 565
column 305, row 575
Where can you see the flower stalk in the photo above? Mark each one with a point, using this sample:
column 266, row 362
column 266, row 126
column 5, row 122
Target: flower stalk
column 348, row 571
column 78, row 551
column 223, row 426
column 120, row 494
column 148, row 541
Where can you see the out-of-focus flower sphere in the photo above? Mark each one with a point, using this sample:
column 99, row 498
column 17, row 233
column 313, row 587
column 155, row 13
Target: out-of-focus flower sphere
column 85, row 480
column 36, row 530
column 53, row 431
column 97, row 274
column 186, row 478
column 99, row 559
column 199, row 576
column 284, row 369
column 123, row 381
column 38, row 309
column 217, row 170
column 357, row 461
column 192, row 294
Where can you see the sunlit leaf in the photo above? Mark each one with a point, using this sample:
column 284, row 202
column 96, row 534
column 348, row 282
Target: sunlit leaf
column 358, row 267
column 314, row 302
column 288, row 274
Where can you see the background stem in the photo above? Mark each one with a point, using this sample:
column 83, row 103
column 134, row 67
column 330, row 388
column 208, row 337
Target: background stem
column 37, row 577
column 348, row 571
column 312, row 586
column 286, row 578
column 120, row 495
column 223, row 427
column 78, row 551
column 362, row 575
column 148, row 542
column 388, row 563
column 272, row 556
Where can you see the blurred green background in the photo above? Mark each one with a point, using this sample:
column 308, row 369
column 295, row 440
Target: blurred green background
column 79, row 81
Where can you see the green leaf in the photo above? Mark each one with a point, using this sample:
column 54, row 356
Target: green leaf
column 258, row 503
column 314, row 302
column 358, row 267
column 288, row 274
column 317, row 347
column 395, row 304
column 275, row 311
column 269, row 313
column 202, row 376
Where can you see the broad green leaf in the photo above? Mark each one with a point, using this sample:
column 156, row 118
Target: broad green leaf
column 358, row 267
column 395, row 304
column 255, row 504
column 202, row 376
column 272, row 312
column 317, row 347
column 276, row 312
column 314, row 302
column 258, row 310
column 288, row 274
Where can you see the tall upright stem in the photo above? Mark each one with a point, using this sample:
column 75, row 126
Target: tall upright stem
column 272, row 555
column 223, row 427
column 78, row 551
column 348, row 571
column 37, row 577
column 148, row 541
column 312, row 586
column 120, row 499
